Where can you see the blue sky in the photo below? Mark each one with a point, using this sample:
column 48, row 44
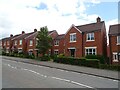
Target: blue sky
column 107, row 10
column 25, row 15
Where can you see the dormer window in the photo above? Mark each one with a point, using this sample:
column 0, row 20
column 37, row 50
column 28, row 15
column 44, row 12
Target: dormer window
column 31, row 42
column 90, row 37
column 15, row 42
column 73, row 37
column 56, row 42
column 118, row 40
column 20, row 42
column 36, row 41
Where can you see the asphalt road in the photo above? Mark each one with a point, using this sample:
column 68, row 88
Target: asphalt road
column 23, row 75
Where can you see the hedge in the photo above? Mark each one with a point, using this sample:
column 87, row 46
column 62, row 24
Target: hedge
column 101, row 58
column 110, row 67
column 78, row 61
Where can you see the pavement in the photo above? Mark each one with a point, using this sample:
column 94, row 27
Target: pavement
column 79, row 69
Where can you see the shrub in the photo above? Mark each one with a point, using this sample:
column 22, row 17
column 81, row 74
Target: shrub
column 29, row 56
column 99, row 57
column 78, row 61
column 53, row 56
column 110, row 67
column 60, row 55
column 45, row 58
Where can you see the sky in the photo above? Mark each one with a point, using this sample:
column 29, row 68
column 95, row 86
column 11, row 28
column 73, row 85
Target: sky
column 26, row 15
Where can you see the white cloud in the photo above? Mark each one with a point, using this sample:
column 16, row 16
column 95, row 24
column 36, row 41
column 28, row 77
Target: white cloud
column 19, row 15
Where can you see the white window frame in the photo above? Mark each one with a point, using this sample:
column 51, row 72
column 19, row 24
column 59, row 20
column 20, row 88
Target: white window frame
column 92, row 50
column 20, row 42
column 36, row 41
column 56, row 50
column 90, row 34
column 115, row 57
column 56, row 42
column 15, row 42
column 118, row 43
column 31, row 43
column 72, row 37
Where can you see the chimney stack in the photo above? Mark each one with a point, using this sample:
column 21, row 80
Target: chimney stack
column 98, row 19
column 35, row 30
column 11, row 35
column 23, row 32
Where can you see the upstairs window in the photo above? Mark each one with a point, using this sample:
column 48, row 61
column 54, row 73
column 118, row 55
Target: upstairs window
column 118, row 40
column 73, row 37
column 31, row 42
column 36, row 41
column 90, row 37
column 56, row 42
column 20, row 42
column 15, row 42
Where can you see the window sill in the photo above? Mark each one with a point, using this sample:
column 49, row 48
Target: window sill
column 90, row 40
column 56, row 45
column 30, row 45
column 118, row 44
column 72, row 41
column 115, row 60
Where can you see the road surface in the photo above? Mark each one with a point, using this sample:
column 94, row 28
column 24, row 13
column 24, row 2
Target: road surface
column 23, row 75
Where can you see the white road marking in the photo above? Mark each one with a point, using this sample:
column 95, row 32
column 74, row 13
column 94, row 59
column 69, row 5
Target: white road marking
column 81, row 84
column 55, row 77
column 72, row 82
column 115, row 80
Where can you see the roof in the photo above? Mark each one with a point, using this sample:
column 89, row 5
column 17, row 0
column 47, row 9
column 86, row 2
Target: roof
column 91, row 27
column 22, row 36
column 8, row 38
column 114, row 29
column 61, row 36
column 31, row 36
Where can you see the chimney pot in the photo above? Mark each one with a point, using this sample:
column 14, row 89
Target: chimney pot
column 11, row 35
column 98, row 19
column 35, row 30
column 23, row 32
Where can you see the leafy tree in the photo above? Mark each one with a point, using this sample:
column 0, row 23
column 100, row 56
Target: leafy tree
column 43, row 41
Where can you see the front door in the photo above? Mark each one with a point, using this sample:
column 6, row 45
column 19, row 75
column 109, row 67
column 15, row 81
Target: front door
column 72, row 52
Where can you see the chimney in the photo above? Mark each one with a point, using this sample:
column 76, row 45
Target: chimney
column 23, row 32
column 98, row 19
column 11, row 35
column 35, row 30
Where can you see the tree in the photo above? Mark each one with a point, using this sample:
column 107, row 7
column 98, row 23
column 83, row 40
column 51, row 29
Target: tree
column 43, row 41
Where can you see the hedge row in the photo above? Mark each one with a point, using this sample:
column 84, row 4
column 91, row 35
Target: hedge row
column 110, row 67
column 78, row 61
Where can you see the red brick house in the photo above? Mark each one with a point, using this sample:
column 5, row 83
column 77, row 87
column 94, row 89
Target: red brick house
column 86, row 39
column 114, row 43
column 24, row 42
column 59, row 45
column 7, row 43
column 19, row 43
column 31, row 41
